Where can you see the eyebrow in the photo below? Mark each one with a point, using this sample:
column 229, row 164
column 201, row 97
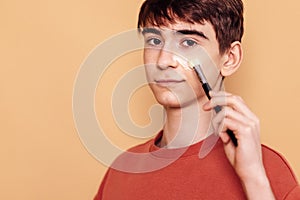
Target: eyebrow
column 192, row 32
column 183, row 31
column 151, row 30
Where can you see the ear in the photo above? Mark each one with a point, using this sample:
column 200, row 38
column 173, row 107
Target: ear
column 232, row 59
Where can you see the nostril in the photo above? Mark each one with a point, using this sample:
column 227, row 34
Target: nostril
column 166, row 60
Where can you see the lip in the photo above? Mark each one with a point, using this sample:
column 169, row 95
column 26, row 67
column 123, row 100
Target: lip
column 168, row 82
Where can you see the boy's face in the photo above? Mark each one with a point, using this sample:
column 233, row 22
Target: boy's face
column 167, row 53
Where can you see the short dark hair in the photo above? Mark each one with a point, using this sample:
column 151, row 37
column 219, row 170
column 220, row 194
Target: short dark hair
column 226, row 16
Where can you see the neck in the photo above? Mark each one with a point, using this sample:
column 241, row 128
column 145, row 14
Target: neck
column 186, row 125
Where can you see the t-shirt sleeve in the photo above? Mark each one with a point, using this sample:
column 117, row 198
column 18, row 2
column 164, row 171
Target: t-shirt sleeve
column 101, row 188
column 294, row 194
column 281, row 176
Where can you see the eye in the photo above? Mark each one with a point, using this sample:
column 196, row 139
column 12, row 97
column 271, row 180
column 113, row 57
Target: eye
column 189, row 43
column 153, row 42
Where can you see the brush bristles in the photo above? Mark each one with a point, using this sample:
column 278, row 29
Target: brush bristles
column 194, row 62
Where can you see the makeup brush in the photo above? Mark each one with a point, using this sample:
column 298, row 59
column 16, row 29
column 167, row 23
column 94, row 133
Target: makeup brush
column 207, row 88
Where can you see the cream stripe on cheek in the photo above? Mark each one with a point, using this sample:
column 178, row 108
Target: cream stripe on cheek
column 183, row 62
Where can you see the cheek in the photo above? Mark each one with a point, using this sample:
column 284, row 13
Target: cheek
column 150, row 59
column 150, row 73
column 211, row 71
column 150, row 56
column 194, row 84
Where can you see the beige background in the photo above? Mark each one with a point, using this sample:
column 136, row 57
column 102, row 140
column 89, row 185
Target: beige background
column 43, row 43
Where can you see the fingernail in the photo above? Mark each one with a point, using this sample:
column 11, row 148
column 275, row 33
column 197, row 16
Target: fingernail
column 206, row 105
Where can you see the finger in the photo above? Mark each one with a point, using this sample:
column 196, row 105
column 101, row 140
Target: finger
column 229, row 124
column 224, row 137
column 228, row 112
column 225, row 112
column 234, row 102
column 239, row 129
column 219, row 93
column 228, row 147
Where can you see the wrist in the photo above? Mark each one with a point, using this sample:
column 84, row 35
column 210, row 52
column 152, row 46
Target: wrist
column 258, row 187
column 253, row 174
column 259, row 181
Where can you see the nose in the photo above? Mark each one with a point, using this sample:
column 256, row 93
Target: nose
column 166, row 59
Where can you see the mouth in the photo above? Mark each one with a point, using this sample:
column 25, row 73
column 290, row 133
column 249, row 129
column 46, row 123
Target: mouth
column 168, row 82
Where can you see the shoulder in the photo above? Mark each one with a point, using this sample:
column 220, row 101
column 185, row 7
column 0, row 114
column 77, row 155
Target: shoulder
column 273, row 160
column 133, row 160
column 279, row 172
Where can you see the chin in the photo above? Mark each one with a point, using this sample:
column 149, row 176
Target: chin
column 169, row 104
column 169, row 100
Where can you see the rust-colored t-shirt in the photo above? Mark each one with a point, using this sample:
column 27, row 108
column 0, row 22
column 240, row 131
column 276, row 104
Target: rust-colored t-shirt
column 189, row 177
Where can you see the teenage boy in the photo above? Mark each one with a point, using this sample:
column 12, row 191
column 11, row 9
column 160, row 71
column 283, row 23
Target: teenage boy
column 246, row 171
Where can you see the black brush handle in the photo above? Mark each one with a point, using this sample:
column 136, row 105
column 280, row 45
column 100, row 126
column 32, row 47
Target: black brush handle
column 217, row 109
